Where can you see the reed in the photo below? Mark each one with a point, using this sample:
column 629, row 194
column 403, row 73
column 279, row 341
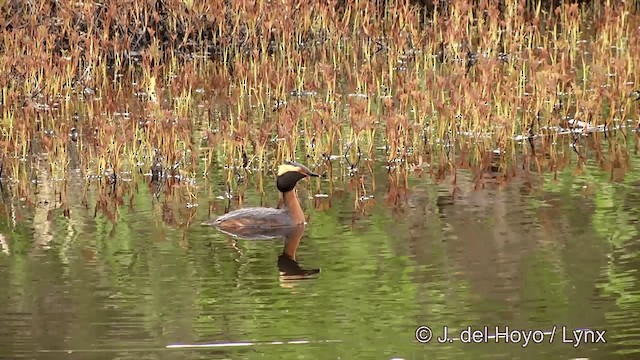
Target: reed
column 173, row 88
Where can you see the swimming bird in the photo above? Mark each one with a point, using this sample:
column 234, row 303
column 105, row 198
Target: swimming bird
column 247, row 222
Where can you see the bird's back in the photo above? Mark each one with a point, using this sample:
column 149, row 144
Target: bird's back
column 254, row 218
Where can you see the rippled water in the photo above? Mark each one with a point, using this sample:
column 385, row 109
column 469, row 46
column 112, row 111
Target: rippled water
column 557, row 253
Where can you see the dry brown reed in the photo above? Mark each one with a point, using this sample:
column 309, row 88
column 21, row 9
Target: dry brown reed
column 176, row 87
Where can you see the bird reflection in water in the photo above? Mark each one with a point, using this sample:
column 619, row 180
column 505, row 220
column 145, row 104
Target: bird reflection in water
column 290, row 271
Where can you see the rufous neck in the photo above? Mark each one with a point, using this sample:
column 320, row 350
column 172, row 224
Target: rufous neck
column 292, row 204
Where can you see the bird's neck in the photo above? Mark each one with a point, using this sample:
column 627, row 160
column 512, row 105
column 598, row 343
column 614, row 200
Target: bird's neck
column 292, row 204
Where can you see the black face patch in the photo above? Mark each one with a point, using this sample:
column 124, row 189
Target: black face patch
column 287, row 181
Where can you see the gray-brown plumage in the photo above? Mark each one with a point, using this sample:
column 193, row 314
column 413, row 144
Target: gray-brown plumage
column 256, row 221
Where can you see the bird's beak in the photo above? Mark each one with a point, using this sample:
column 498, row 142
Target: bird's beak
column 309, row 173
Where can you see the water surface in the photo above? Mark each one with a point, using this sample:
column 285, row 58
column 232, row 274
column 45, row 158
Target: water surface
column 408, row 253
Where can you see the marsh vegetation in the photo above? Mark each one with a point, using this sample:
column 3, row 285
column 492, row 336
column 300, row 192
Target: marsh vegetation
column 171, row 89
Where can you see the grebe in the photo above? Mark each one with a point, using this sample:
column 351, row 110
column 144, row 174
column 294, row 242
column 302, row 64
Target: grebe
column 249, row 221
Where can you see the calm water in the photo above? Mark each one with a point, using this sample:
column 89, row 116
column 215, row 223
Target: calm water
column 530, row 255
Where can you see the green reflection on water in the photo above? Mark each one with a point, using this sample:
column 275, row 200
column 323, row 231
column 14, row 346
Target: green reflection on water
column 496, row 257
